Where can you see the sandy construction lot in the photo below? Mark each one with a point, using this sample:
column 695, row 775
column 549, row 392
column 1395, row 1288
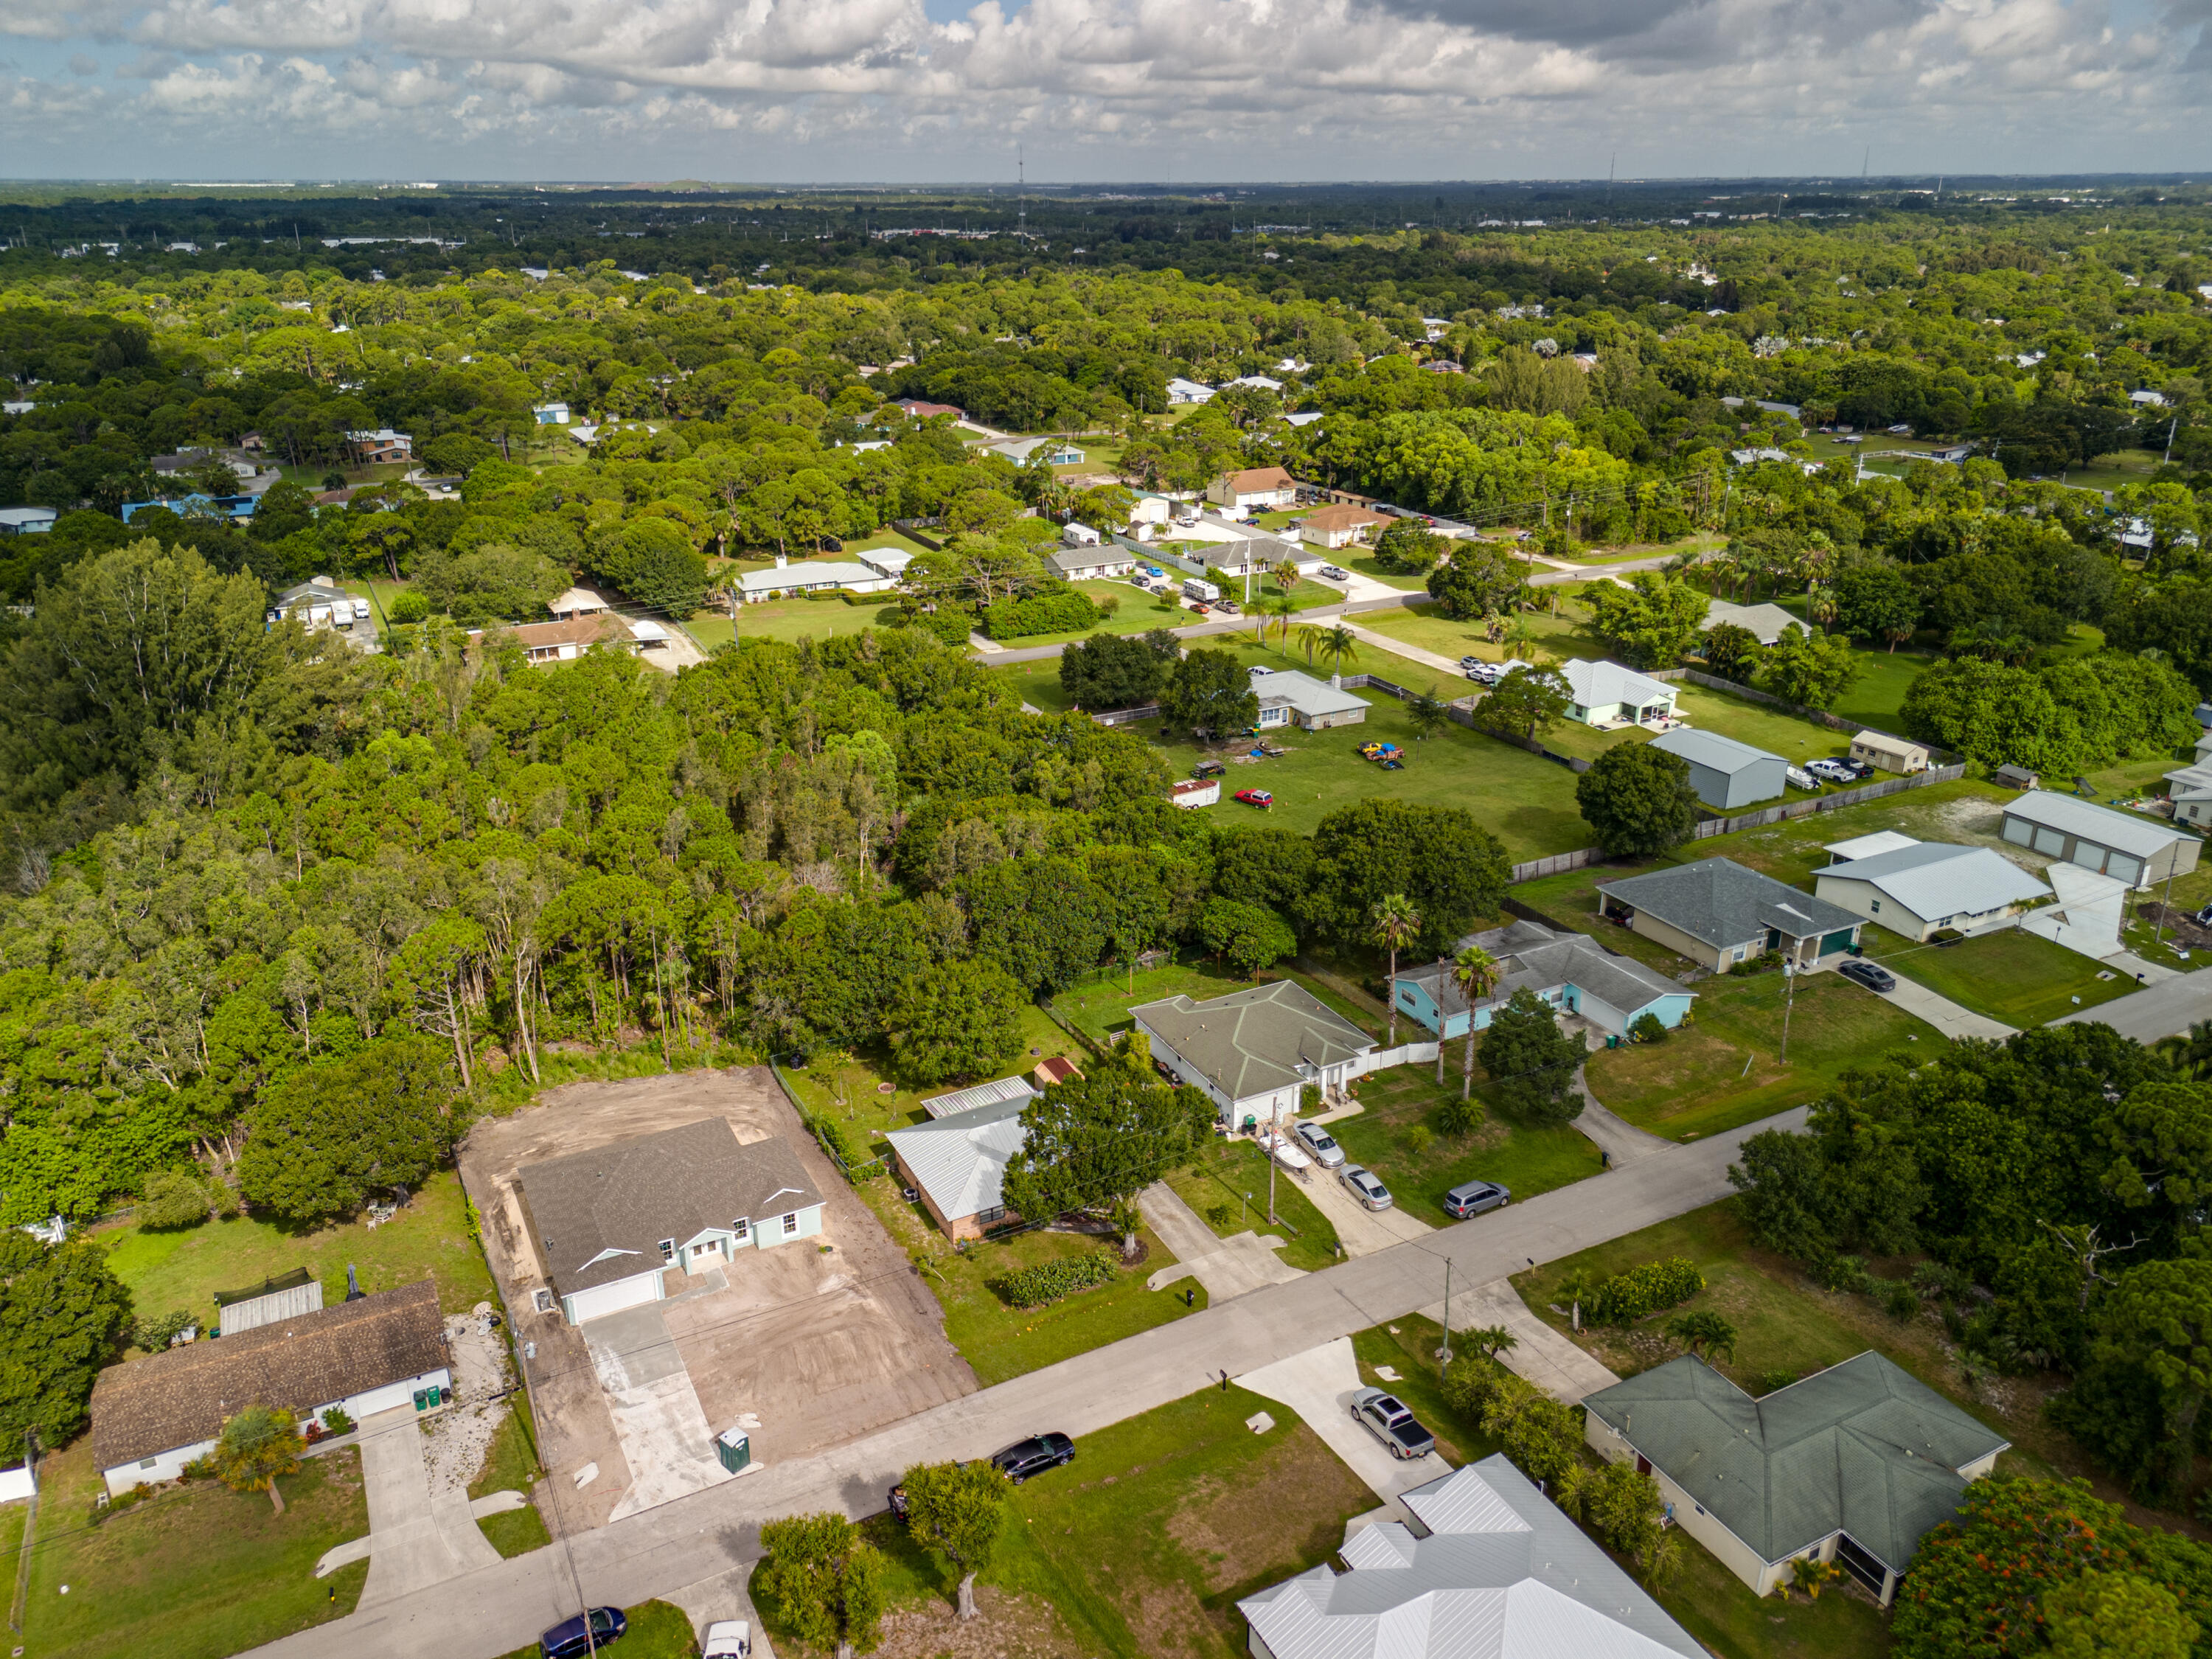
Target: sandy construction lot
column 804, row 1347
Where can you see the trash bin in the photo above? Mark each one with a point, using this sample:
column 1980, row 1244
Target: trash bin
column 734, row 1450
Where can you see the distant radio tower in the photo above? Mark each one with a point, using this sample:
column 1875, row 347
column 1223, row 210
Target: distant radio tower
column 1022, row 190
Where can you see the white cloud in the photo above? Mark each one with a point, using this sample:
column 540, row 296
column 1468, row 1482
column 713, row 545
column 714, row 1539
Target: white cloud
column 1252, row 88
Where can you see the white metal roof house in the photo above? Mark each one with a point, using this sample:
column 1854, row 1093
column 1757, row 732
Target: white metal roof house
column 1254, row 1051
column 1719, row 913
column 1180, row 391
column 1486, row 1568
column 1056, row 452
column 1571, row 972
column 890, row 562
column 1093, row 561
column 2137, row 850
column 1765, row 622
column 1288, row 697
column 1865, row 847
column 27, row 520
column 957, row 1162
column 811, row 576
column 611, row 1223
column 1852, row 1465
column 1725, row 774
column 1607, row 694
column 1922, row 888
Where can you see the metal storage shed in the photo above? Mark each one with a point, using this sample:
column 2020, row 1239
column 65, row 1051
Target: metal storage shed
column 1725, row 774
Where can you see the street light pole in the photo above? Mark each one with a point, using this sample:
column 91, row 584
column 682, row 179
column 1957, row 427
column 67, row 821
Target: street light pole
column 1444, row 1349
column 1789, row 1001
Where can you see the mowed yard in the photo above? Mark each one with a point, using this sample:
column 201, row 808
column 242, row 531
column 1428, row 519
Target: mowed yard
column 2013, row 976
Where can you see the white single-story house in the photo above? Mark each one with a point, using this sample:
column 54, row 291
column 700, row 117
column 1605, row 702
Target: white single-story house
column 1072, row 534
column 577, row 602
column 1765, row 622
column 151, row 1416
column 2138, row 850
column 1288, row 697
column 1193, row 792
column 1865, row 847
column 1304, row 417
column 811, row 576
column 1257, row 382
column 1891, row 754
column 1098, row 561
column 611, row 1225
column 1854, row 1464
column 1718, row 913
column 320, row 603
column 1607, row 694
column 1256, row 489
column 1339, row 526
column 957, row 1161
column 2189, row 789
column 1180, row 391
column 1927, row 886
column 551, row 414
column 1485, row 1567
column 889, row 562
column 1571, row 972
column 1254, row 1051
column 27, row 520
column 1725, row 774
column 1056, row 452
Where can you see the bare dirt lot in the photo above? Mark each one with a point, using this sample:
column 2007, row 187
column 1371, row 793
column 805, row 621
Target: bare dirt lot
column 806, row 1348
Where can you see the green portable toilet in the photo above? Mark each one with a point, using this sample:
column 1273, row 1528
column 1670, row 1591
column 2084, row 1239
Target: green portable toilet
column 735, row 1449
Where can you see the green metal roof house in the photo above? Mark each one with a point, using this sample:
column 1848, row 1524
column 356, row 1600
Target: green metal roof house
column 1853, row 1465
column 1254, row 1051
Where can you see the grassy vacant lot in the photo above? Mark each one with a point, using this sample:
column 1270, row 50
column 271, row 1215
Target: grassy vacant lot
column 1001, row 1342
column 1145, row 1542
column 1527, row 1159
column 511, row 1465
column 196, row 1572
column 2013, row 976
column 1102, row 1007
column 1215, row 1188
column 1877, row 696
column 658, row 1630
column 1726, row 1068
column 854, row 1094
column 1558, row 637
column 184, row 1269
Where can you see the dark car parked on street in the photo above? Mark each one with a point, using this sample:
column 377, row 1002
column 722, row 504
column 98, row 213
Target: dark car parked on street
column 1025, row 1458
column 570, row 1638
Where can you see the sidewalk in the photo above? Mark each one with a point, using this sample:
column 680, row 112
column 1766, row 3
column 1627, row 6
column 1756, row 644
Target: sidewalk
column 1225, row 1267
column 1552, row 1362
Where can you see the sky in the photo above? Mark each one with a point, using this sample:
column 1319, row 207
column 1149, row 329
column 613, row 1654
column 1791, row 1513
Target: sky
column 1090, row 92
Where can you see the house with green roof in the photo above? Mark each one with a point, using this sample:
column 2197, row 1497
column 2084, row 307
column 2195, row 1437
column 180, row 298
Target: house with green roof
column 1254, row 1051
column 1853, row 1465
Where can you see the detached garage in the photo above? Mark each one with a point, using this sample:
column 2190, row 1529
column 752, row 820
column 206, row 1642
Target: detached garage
column 1725, row 774
column 2139, row 851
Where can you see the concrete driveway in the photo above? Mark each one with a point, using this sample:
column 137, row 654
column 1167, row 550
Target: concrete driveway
column 1361, row 1230
column 1945, row 1015
column 1318, row 1385
column 1226, row 1266
column 664, row 1434
column 417, row 1537
column 1541, row 1355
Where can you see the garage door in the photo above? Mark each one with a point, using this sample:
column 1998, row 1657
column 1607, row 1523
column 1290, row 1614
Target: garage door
column 605, row 1299
column 2127, row 869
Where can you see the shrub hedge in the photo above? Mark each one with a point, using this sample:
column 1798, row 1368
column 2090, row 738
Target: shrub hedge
column 1046, row 613
column 1645, row 1289
column 1055, row 1281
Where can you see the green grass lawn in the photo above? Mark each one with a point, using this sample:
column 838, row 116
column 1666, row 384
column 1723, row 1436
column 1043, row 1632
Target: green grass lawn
column 1558, row 637
column 2013, row 976
column 1876, row 697
column 1528, row 1158
column 184, row 1269
column 1726, row 1069
column 511, row 1465
column 1002, row 1341
column 1216, row 1186
column 658, row 1630
column 194, row 1573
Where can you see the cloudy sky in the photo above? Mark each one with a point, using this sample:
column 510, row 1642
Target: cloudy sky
column 1097, row 90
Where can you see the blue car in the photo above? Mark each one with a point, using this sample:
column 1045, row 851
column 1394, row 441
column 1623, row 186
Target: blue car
column 572, row 1636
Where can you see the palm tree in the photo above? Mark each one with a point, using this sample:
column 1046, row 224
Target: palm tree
column 1577, row 1287
column 1820, row 603
column 1287, row 574
column 1340, row 642
column 1476, row 973
column 1312, row 637
column 1521, row 639
column 1397, row 925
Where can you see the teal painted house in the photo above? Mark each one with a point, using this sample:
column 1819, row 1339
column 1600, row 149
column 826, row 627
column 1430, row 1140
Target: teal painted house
column 1574, row 974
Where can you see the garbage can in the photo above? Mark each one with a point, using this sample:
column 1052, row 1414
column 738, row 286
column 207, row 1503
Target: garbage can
column 735, row 1450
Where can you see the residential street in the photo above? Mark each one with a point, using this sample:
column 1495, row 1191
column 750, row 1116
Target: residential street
column 2166, row 1009
column 1223, row 625
column 665, row 1551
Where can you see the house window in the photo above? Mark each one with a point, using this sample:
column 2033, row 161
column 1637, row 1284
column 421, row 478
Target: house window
column 148, row 1462
column 986, row 1218
column 742, row 1227
column 668, row 1250
column 704, row 1249
column 1877, row 907
column 791, row 1224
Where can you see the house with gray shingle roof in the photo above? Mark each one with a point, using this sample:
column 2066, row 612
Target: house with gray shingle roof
column 1718, row 913
column 1572, row 972
column 1854, row 1464
column 611, row 1226
column 1486, row 1567
column 1254, row 1051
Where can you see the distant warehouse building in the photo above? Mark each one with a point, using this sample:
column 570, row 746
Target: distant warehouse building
column 2137, row 850
column 1725, row 774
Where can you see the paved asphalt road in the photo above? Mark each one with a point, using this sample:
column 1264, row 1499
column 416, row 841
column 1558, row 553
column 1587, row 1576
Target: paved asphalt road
column 1243, row 625
column 2166, row 1009
column 662, row 1551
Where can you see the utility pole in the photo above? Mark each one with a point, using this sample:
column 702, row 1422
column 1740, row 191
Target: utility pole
column 1444, row 1348
column 2172, row 426
column 1789, row 1001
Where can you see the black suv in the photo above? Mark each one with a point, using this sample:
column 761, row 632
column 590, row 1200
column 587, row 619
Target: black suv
column 1033, row 1456
column 569, row 1638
